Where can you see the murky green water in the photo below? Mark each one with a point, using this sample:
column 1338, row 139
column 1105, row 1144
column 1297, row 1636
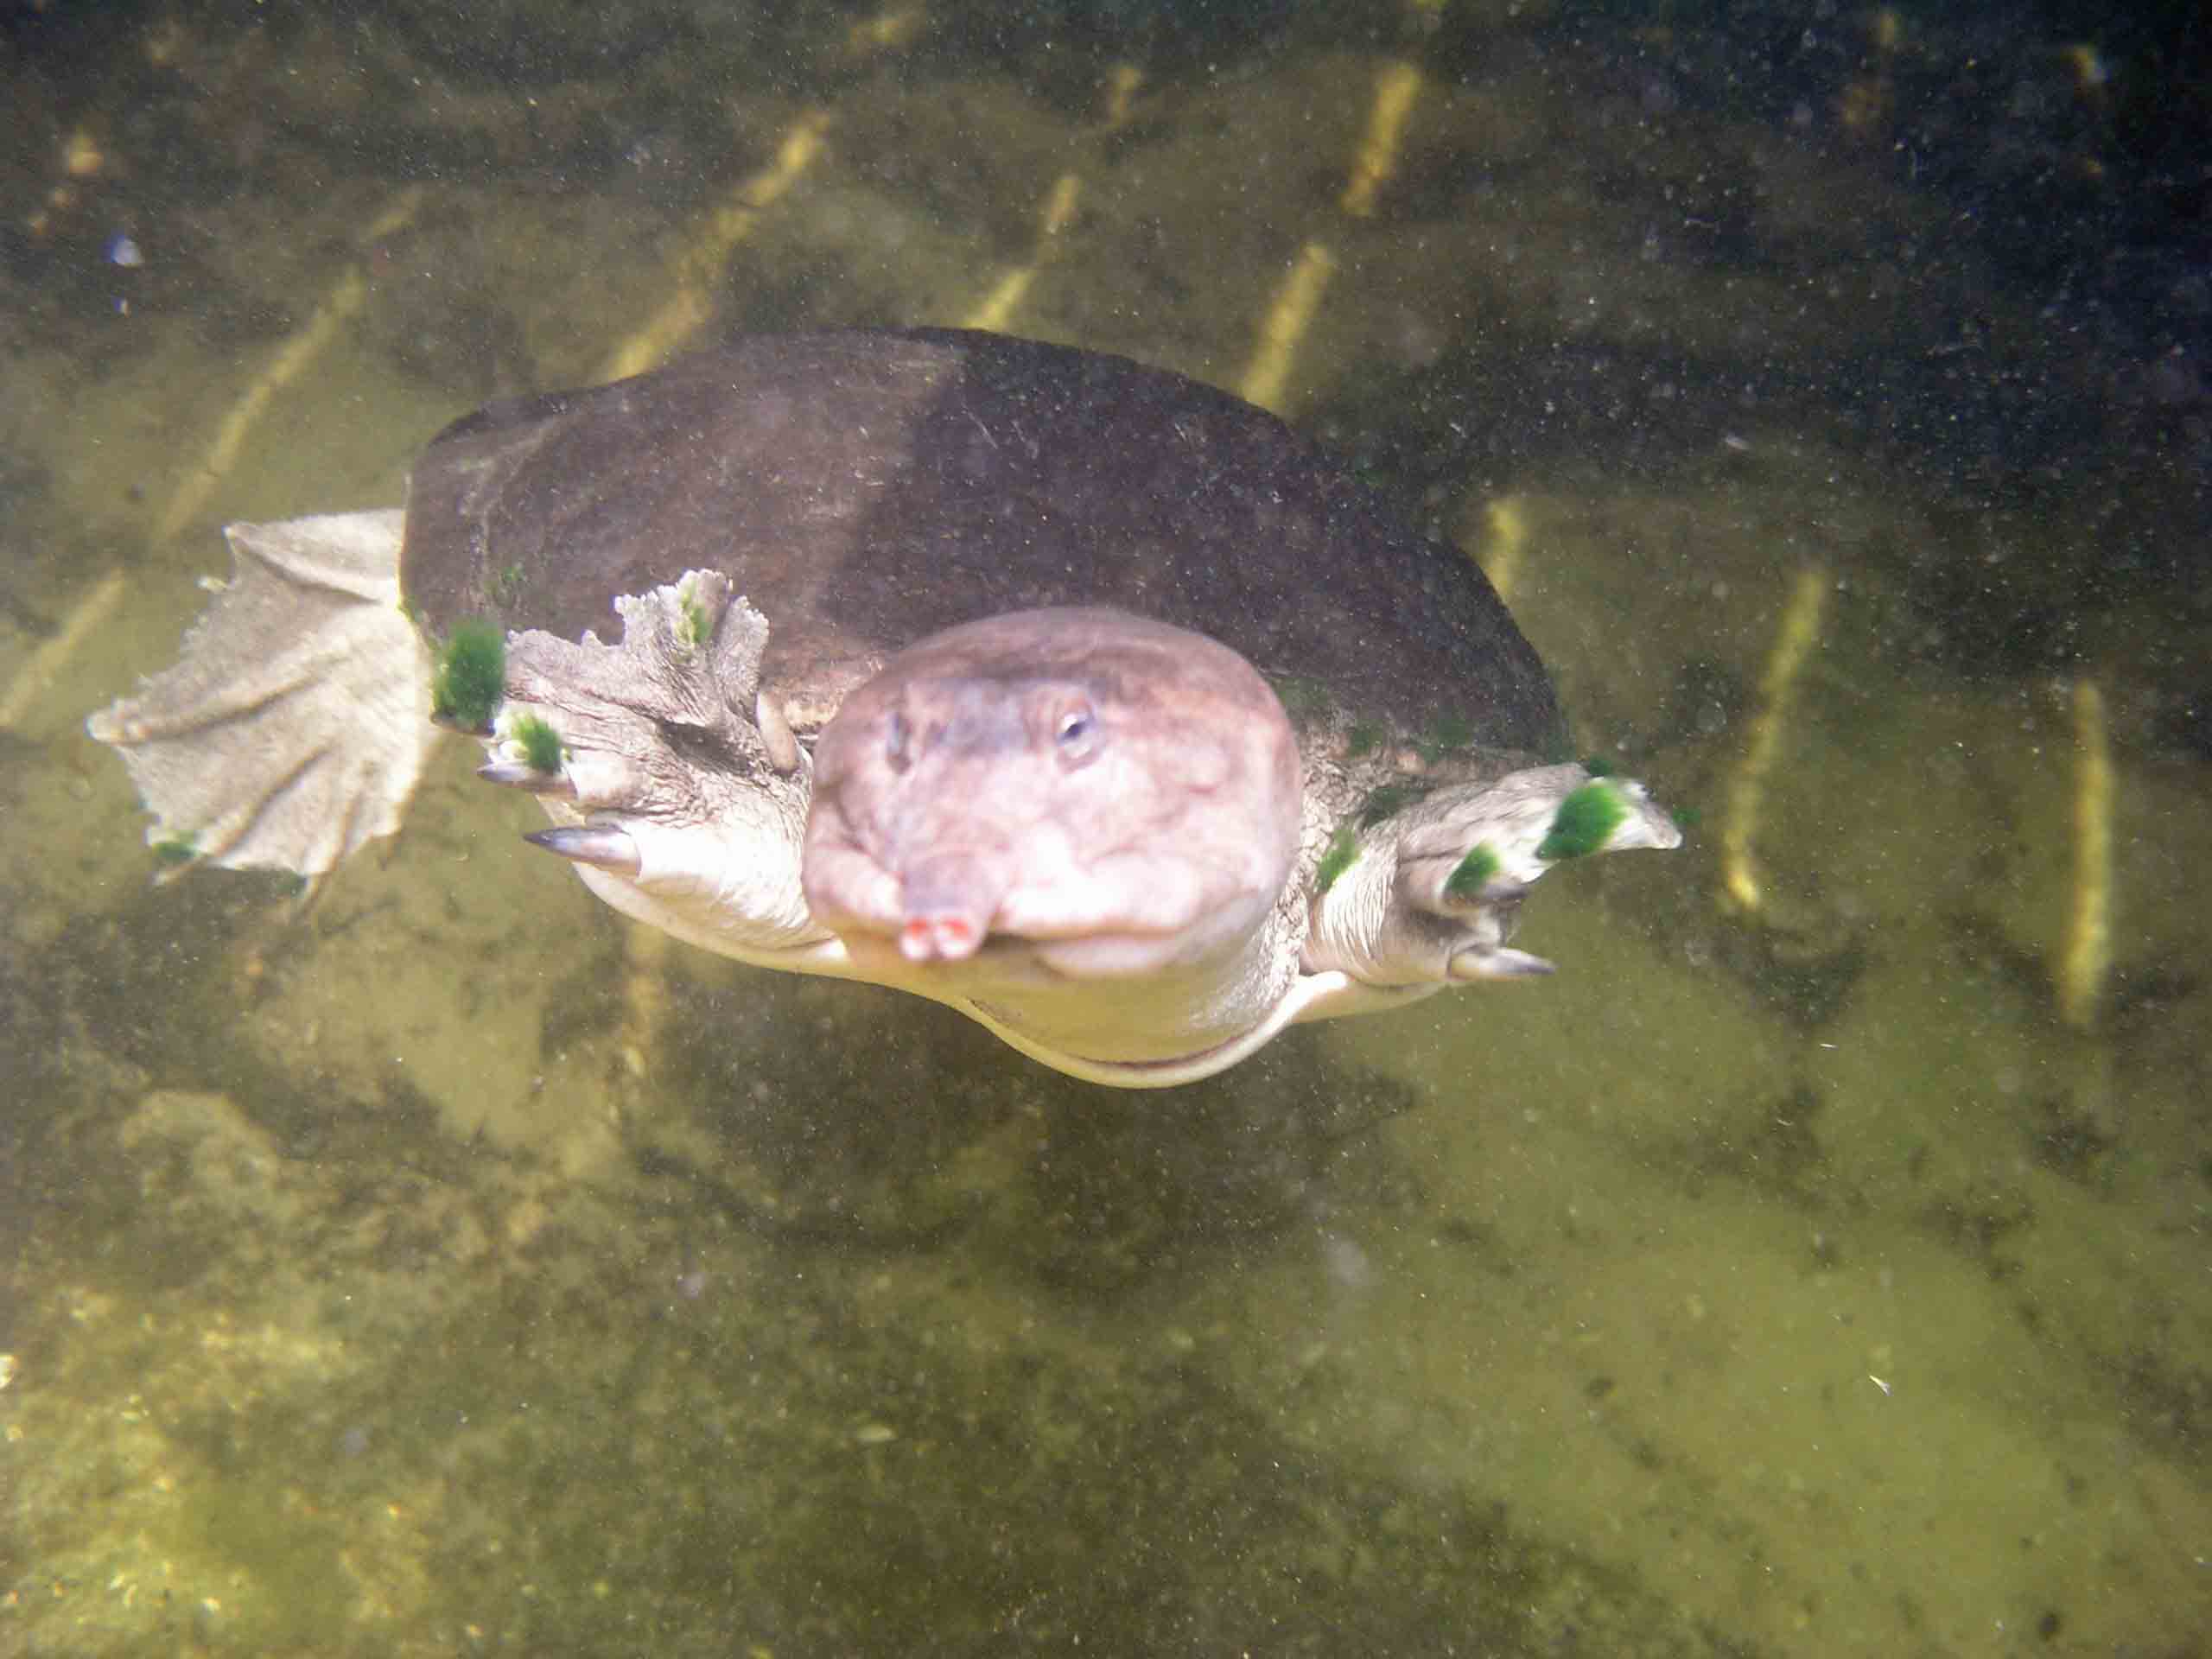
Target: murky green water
column 1816, row 1266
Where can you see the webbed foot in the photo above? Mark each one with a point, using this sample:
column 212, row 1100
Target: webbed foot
column 679, row 795
column 1431, row 894
column 294, row 725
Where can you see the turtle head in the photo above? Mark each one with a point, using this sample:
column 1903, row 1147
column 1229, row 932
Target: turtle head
column 1078, row 791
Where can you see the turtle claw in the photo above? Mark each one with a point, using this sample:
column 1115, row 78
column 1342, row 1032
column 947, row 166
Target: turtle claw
column 1500, row 963
column 518, row 774
column 602, row 846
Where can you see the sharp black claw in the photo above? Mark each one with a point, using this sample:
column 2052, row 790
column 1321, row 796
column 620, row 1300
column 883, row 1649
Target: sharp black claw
column 516, row 774
column 593, row 844
column 1497, row 963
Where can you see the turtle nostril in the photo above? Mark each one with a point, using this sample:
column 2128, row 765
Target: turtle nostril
column 927, row 939
column 947, row 904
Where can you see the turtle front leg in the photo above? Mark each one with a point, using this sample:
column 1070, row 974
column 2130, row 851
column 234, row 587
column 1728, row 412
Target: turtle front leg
column 1429, row 895
column 679, row 795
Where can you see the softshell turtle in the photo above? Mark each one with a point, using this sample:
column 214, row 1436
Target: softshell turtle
column 1081, row 696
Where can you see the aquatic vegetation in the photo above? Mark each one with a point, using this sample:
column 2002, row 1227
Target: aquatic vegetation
column 1472, row 874
column 1584, row 821
column 173, row 851
column 539, row 743
column 1343, row 853
column 472, row 676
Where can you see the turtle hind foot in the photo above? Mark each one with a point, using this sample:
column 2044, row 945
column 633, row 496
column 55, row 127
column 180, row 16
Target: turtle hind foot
column 293, row 727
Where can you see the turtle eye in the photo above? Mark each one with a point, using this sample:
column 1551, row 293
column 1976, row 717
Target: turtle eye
column 897, row 740
column 1075, row 734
